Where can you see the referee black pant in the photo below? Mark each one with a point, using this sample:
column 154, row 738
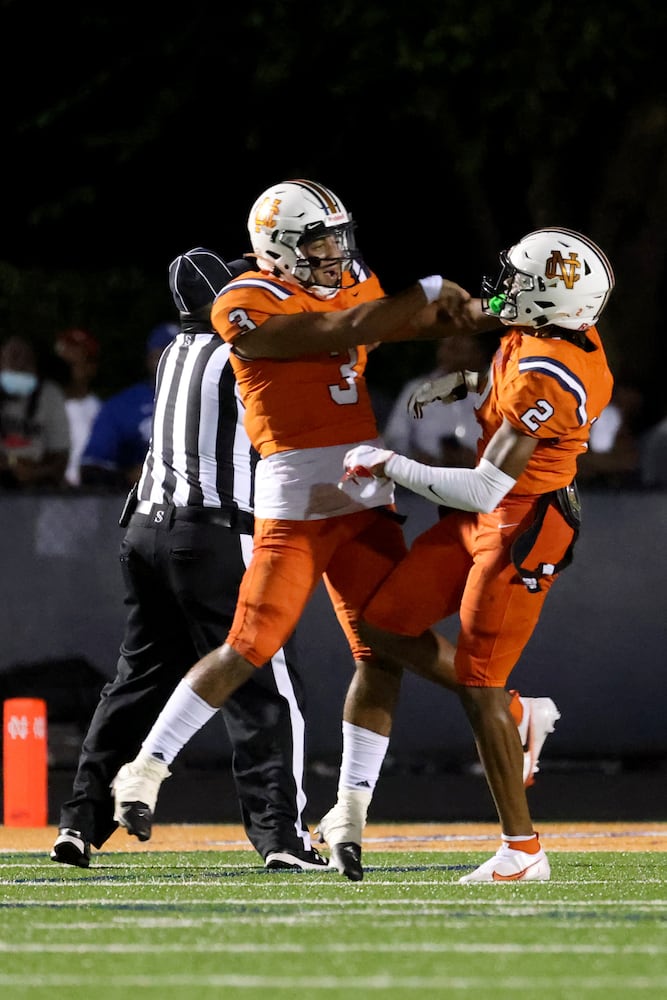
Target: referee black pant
column 182, row 568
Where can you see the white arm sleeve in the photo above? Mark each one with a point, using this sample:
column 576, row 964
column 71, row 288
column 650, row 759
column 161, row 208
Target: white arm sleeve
column 479, row 489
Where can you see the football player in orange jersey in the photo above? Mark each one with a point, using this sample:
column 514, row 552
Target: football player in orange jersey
column 495, row 556
column 299, row 328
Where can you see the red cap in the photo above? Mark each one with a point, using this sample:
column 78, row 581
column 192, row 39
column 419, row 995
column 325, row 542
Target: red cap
column 78, row 338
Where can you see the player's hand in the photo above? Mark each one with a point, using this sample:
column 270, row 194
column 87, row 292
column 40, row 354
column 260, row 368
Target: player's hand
column 474, row 318
column 453, row 301
column 365, row 462
column 447, row 389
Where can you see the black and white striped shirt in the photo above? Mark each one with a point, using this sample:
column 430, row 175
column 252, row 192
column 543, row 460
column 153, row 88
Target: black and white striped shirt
column 199, row 453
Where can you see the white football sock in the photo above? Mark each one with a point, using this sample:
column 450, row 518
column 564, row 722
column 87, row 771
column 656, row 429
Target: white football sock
column 184, row 715
column 363, row 754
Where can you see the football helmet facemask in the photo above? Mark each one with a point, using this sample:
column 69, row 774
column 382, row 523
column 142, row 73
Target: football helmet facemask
column 295, row 212
column 550, row 277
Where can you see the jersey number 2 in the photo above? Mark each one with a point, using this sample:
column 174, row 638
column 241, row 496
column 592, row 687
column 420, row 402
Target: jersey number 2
column 537, row 414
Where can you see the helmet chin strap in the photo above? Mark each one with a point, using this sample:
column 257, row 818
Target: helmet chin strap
column 323, row 291
column 320, row 291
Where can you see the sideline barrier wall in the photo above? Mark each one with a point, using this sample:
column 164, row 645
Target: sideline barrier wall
column 600, row 650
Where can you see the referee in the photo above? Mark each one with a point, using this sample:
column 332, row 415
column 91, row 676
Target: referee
column 188, row 541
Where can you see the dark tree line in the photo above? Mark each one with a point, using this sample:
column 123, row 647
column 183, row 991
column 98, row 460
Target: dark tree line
column 448, row 128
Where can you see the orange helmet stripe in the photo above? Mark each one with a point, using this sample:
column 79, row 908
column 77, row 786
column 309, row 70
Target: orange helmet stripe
column 327, row 198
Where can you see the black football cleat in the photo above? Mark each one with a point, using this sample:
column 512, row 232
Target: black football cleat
column 137, row 819
column 347, row 859
column 135, row 789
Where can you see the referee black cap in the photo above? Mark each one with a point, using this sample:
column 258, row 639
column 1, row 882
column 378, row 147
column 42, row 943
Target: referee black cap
column 196, row 277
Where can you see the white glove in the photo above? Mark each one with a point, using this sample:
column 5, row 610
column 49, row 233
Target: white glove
column 359, row 462
column 447, row 389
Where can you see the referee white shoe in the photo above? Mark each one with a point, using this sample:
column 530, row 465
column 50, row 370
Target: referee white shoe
column 135, row 789
column 296, row 860
column 71, row 848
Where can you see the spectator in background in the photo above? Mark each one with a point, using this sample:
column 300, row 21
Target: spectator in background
column 613, row 457
column 79, row 353
column 445, row 434
column 34, row 431
column 118, row 442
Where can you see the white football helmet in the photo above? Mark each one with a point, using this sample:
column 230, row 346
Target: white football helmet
column 551, row 276
column 288, row 214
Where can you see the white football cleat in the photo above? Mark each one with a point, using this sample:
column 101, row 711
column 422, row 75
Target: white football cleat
column 135, row 789
column 346, row 820
column 343, row 828
column 539, row 719
column 509, row 865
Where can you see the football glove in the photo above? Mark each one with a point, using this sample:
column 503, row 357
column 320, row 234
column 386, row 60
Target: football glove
column 359, row 462
column 447, row 389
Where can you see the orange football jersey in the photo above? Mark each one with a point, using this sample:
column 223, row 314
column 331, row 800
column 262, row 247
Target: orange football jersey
column 550, row 389
column 312, row 401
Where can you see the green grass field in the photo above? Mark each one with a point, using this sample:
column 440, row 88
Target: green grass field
column 216, row 924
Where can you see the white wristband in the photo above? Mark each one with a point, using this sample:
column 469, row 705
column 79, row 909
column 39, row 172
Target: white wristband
column 431, row 286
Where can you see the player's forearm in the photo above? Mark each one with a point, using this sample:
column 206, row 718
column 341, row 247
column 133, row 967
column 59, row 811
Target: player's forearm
column 479, row 489
column 405, row 316
column 439, row 325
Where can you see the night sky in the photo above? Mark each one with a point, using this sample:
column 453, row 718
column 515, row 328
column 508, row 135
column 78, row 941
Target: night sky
column 133, row 132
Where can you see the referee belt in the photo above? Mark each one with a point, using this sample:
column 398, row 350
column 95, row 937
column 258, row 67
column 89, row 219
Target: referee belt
column 224, row 517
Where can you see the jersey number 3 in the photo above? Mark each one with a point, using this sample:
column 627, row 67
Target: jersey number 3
column 347, row 393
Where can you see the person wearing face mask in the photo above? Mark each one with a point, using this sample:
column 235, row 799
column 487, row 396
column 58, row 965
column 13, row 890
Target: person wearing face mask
column 34, row 430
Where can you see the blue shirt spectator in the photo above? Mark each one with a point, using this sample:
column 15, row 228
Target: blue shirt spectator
column 119, row 439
